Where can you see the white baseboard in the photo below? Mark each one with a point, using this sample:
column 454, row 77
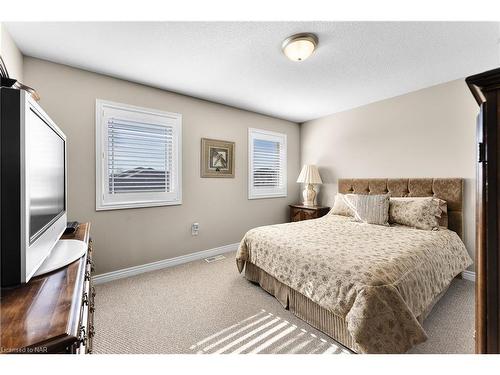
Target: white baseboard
column 469, row 275
column 136, row 270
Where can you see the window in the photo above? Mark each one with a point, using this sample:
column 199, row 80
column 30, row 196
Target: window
column 138, row 157
column 266, row 164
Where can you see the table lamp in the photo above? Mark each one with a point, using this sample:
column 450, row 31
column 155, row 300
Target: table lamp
column 309, row 176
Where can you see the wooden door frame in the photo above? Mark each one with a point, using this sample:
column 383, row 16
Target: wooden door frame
column 486, row 90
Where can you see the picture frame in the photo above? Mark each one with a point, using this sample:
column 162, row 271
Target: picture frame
column 217, row 158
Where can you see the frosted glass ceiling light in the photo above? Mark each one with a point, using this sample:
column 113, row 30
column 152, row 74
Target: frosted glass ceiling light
column 299, row 47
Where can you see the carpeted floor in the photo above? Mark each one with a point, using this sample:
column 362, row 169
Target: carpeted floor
column 208, row 308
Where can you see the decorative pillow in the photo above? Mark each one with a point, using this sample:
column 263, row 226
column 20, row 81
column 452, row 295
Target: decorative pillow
column 342, row 206
column 443, row 220
column 417, row 212
column 371, row 209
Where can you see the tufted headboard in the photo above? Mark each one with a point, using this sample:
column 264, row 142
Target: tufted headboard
column 449, row 189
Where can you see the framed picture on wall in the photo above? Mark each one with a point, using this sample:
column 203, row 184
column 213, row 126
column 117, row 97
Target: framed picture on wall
column 217, row 158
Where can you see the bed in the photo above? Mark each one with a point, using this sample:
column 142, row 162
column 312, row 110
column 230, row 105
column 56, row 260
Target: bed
column 369, row 287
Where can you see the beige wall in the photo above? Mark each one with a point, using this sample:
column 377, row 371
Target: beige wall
column 11, row 55
column 125, row 238
column 427, row 133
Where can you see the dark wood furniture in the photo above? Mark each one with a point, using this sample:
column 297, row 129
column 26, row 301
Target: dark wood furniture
column 299, row 212
column 486, row 89
column 52, row 313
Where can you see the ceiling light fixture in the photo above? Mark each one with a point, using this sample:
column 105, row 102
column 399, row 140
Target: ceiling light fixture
column 299, row 47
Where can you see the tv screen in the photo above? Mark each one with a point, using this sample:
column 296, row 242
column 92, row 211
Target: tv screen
column 46, row 185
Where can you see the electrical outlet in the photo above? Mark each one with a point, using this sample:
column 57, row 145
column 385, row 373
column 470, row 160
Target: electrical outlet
column 195, row 229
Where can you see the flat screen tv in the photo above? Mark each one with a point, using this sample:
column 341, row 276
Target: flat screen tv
column 33, row 186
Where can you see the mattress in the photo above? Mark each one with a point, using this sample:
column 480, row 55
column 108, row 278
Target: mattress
column 374, row 283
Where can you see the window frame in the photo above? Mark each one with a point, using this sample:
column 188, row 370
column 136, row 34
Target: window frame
column 106, row 201
column 260, row 193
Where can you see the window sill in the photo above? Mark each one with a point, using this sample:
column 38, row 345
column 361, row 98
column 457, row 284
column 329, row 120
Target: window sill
column 123, row 206
column 267, row 196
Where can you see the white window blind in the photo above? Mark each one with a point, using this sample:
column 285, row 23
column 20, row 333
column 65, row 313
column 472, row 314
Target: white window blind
column 138, row 157
column 267, row 164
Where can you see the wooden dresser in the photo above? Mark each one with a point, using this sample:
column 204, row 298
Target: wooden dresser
column 299, row 212
column 52, row 313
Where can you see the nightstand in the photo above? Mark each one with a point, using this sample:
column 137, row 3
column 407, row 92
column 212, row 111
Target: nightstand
column 300, row 212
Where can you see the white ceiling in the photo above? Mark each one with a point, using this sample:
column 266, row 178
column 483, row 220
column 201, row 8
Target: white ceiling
column 241, row 63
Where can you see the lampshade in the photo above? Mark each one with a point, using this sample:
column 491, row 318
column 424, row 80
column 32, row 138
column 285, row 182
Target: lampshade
column 309, row 175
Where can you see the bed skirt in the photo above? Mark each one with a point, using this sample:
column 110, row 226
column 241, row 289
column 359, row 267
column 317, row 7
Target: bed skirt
column 309, row 311
column 302, row 307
